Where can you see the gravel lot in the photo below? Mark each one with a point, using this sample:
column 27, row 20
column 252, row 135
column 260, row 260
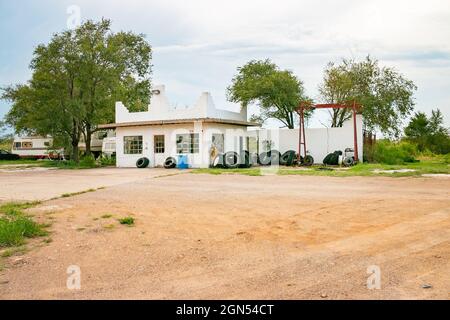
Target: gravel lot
column 231, row 236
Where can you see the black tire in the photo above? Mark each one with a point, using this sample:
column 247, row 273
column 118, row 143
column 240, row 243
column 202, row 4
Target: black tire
column 264, row 158
column 142, row 162
column 218, row 161
column 245, row 160
column 275, row 156
column 334, row 159
column 231, row 160
column 287, row 159
column 308, row 161
column 348, row 161
column 327, row 158
column 170, row 163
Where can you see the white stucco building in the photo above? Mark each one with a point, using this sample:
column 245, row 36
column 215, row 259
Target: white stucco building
column 165, row 131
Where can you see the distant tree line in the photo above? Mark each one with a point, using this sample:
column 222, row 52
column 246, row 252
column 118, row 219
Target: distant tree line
column 429, row 133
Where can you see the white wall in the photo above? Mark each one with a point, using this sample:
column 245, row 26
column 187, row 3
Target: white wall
column 199, row 160
column 160, row 109
column 319, row 141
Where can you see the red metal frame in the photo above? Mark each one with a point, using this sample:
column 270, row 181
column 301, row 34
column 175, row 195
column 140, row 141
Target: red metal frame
column 301, row 130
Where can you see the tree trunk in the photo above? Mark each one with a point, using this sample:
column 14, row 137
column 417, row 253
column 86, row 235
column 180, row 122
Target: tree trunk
column 75, row 140
column 334, row 118
column 75, row 150
column 291, row 124
column 88, row 140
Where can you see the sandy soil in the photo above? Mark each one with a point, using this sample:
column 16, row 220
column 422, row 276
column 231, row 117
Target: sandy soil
column 240, row 237
column 37, row 183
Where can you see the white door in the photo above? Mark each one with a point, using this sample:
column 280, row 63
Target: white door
column 159, row 150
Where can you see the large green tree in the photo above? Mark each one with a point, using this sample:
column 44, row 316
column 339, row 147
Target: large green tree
column 385, row 94
column 429, row 133
column 277, row 92
column 76, row 80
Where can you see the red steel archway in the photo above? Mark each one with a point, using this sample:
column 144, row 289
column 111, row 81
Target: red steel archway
column 301, row 130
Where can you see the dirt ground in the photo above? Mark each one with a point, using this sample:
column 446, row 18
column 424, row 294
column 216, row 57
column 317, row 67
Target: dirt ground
column 232, row 236
column 37, row 183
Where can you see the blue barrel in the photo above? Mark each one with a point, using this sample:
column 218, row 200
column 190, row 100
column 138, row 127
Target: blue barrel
column 182, row 162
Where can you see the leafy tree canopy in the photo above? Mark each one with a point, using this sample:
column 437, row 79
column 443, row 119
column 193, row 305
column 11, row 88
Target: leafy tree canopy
column 277, row 92
column 429, row 133
column 77, row 78
column 385, row 94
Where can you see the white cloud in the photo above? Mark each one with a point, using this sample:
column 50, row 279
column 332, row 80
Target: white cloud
column 199, row 43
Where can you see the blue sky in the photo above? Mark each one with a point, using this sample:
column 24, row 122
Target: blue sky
column 197, row 45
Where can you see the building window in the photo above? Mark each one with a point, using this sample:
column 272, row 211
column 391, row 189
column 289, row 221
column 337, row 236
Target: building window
column 159, row 144
column 218, row 142
column 187, row 143
column 132, row 145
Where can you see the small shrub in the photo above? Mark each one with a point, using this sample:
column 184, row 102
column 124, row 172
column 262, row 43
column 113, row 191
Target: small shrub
column 15, row 208
column 392, row 153
column 88, row 162
column 14, row 230
column 447, row 158
column 127, row 220
column 15, row 226
column 107, row 161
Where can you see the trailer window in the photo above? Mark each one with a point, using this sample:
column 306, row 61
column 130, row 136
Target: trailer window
column 187, row 143
column 17, row 145
column 159, row 143
column 132, row 145
column 27, row 144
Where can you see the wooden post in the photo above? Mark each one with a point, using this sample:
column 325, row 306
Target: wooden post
column 355, row 133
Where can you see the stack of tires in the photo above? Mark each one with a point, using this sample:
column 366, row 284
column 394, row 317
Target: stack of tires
column 332, row 158
column 289, row 158
column 307, row 161
column 232, row 160
column 268, row 158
